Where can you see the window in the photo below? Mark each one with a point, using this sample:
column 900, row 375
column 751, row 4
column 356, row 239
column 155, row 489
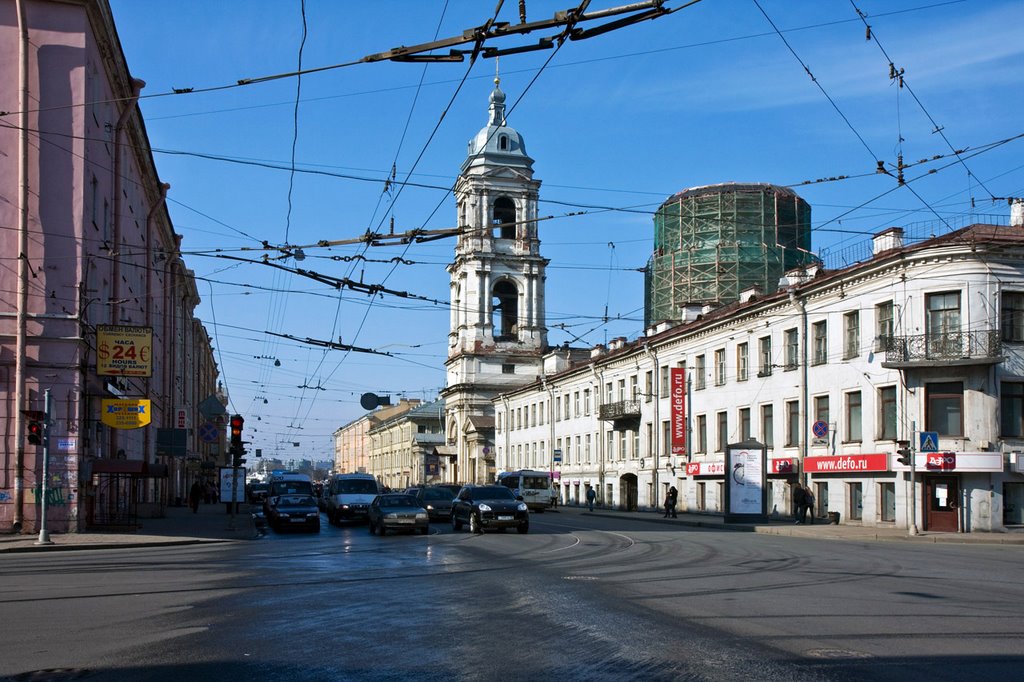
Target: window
column 851, row 335
column 1012, row 316
column 942, row 324
column 586, row 445
column 664, row 380
column 944, row 402
column 702, row 433
column 648, row 386
column 565, row 406
column 651, row 449
column 501, row 418
column 819, row 334
column 609, row 397
column 586, row 401
column 636, row 443
column 558, row 408
column 764, row 348
column 579, row 451
column 853, row 418
column 856, row 501
column 503, row 142
column 742, row 361
column 666, row 437
column 698, row 371
column 611, row 446
column 821, row 408
column 792, row 349
column 884, row 325
column 744, row 423
column 887, row 501
column 622, row 444
column 622, row 390
column 504, row 218
column 720, row 367
column 540, row 413
column 576, row 404
column 792, row 423
column 768, row 425
column 723, row 431
column 505, row 310
column 533, row 414
column 1011, row 409
column 887, row 413
column 634, row 387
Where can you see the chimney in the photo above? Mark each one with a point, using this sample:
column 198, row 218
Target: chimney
column 887, row 240
column 1017, row 213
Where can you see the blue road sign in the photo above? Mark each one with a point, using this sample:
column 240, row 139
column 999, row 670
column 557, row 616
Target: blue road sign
column 208, row 432
column 928, row 441
column 820, row 429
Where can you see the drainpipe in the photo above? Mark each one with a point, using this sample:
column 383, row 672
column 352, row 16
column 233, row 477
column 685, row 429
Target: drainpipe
column 150, row 218
column 20, row 402
column 804, row 426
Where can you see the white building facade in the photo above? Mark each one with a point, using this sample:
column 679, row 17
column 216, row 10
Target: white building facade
column 920, row 343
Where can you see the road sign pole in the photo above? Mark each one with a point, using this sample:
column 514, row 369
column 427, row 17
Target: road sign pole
column 44, row 535
column 913, row 481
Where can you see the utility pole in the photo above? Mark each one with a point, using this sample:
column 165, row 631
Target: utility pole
column 44, row 535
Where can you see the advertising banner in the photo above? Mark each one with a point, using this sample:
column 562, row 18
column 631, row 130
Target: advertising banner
column 846, row 464
column 125, row 413
column 124, row 351
column 746, row 482
column 232, row 484
column 705, row 468
column 677, row 393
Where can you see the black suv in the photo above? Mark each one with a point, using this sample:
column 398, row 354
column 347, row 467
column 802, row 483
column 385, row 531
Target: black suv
column 489, row 506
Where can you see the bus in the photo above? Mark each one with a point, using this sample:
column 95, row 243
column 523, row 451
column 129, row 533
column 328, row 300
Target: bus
column 533, row 486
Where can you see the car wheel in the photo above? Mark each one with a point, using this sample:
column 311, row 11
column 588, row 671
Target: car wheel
column 424, row 530
column 382, row 529
column 523, row 528
column 456, row 523
column 474, row 524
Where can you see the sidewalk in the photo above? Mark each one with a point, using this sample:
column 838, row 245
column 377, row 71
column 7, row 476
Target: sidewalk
column 820, row 529
column 179, row 526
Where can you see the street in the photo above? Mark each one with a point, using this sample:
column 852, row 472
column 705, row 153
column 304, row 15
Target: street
column 580, row 597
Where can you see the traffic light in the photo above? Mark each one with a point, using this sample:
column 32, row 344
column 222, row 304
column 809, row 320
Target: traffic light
column 904, row 455
column 237, row 422
column 35, row 432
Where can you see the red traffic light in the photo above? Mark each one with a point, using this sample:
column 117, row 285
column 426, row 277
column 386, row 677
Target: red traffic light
column 35, row 432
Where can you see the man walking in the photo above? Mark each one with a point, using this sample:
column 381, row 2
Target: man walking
column 670, row 502
column 799, row 502
column 591, row 496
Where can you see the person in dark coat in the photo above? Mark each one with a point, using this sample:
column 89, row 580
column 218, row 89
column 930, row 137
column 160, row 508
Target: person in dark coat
column 591, row 497
column 799, row 503
column 195, row 494
column 671, row 497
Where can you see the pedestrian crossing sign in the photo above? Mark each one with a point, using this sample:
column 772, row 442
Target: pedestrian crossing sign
column 929, row 441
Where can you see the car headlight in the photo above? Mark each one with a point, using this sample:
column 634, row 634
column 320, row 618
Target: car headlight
column 522, row 507
column 391, row 516
column 430, row 507
column 484, row 507
column 421, row 516
column 344, row 506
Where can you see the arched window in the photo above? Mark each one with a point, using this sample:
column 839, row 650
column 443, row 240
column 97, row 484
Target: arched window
column 505, row 313
column 504, row 219
column 503, row 142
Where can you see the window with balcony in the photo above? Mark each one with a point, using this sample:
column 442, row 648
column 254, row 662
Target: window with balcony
column 853, row 418
column 792, row 349
column 851, row 335
column 819, row 336
column 944, row 405
column 742, row 361
column 1011, row 409
column 720, row 367
column 942, row 324
column 887, row 413
column 1011, row 324
column 699, row 371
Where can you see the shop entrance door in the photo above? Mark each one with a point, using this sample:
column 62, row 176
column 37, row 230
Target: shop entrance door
column 942, row 495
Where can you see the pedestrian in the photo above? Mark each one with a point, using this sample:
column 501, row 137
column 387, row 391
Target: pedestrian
column 670, row 502
column 195, row 493
column 799, row 502
column 809, row 503
column 207, row 493
column 554, row 497
column 591, row 496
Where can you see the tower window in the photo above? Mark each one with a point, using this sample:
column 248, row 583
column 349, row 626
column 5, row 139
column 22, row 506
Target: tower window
column 503, row 142
column 506, row 311
column 504, row 218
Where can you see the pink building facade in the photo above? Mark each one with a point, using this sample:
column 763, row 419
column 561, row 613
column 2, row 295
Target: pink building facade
column 91, row 269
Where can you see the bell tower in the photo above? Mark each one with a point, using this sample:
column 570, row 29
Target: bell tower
column 497, row 334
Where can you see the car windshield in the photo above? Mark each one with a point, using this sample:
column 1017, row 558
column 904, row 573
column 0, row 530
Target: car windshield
column 296, row 501
column 357, row 485
column 291, row 488
column 492, row 492
column 398, row 501
column 437, row 494
column 536, row 482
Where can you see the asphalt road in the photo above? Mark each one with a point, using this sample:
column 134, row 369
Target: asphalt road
column 578, row 598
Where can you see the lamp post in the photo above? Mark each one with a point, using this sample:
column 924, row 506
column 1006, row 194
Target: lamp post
column 44, row 535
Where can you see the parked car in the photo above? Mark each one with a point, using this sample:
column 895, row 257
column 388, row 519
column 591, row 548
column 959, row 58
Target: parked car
column 286, row 512
column 455, row 488
column 396, row 511
column 489, row 506
column 412, row 491
column 437, row 500
column 257, row 492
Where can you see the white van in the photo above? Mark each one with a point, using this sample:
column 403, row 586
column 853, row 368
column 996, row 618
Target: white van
column 533, row 487
column 349, row 496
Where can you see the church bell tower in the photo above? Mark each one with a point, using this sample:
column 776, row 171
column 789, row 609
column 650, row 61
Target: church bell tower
column 497, row 334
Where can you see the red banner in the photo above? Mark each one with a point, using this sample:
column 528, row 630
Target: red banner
column 941, row 461
column 844, row 464
column 677, row 394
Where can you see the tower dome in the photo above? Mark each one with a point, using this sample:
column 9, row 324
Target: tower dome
column 497, row 144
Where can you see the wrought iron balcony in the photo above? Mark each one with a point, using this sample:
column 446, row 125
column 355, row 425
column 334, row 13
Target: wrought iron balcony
column 942, row 350
column 624, row 409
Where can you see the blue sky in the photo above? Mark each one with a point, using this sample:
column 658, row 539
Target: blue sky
column 621, row 121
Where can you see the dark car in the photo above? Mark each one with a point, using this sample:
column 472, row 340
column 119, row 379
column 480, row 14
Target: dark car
column 396, row 511
column 455, row 488
column 489, row 506
column 286, row 512
column 437, row 500
column 257, row 492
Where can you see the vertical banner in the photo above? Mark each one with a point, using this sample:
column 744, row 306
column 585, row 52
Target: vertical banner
column 677, row 395
column 746, row 482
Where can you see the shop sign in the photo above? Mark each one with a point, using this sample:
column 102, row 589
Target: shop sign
column 955, row 462
column 940, row 461
column 705, row 469
column 127, row 413
column 784, row 465
column 677, row 377
column 846, row 464
column 124, row 351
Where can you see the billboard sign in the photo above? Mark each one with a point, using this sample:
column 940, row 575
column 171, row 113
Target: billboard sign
column 123, row 350
column 125, row 413
column 677, row 394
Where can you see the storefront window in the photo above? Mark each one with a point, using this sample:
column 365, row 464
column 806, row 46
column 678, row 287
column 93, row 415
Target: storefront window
column 856, row 492
column 887, row 501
